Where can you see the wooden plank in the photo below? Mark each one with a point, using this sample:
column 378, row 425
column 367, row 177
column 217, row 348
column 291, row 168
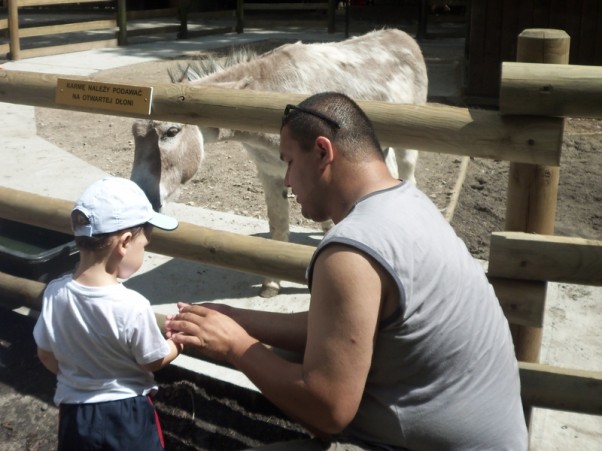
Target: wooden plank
column 68, row 28
column 542, row 386
column 541, row 14
column 523, row 301
column 573, row 28
column 509, row 30
column 551, row 90
column 211, row 31
column 564, row 389
column 524, row 12
column 490, row 68
column 13, row 30
column 3, row 24
column 133, row 32
column 597, row 60
column 152, row 14
column 236, row 252
column 224, row 14
column 476, row 49
column 432, row 127
column 528, row 256
column 587, row 31
column 558, row 14
column 533, row 189
column 122, row 23
column 26, row 3
column 67, row 48
column 285, row 6
column 20, row 292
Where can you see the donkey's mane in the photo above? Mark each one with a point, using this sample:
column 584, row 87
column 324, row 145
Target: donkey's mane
column 209, row 63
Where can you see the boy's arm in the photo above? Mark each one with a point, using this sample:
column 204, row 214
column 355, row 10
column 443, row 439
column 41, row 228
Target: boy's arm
column 48, row 360
column 174, row 351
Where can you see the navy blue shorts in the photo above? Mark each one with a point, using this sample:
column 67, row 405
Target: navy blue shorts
column 126, row 424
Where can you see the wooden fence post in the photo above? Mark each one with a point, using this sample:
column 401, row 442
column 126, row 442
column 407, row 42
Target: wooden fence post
column 533, row 189
column 183, row 9
column 422, row 20
column 240, row 16
column 13, row 30
column 122, row 23
column 332, row 12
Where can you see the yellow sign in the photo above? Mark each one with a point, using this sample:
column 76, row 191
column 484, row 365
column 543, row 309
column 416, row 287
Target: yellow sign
column 104, row 96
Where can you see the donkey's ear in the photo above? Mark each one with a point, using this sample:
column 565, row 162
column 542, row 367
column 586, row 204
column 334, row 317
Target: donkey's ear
column 140, row 127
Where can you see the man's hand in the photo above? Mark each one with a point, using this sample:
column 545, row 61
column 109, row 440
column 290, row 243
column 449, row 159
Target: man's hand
column 209, row 331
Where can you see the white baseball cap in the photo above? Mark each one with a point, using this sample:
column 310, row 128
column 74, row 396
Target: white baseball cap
column 115, row 203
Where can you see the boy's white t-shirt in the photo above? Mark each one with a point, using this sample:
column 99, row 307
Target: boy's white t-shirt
column 100, row 337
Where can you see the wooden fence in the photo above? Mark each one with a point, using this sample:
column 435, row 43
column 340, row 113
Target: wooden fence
column 111, row 24
column 546, row 258
column 54, row 27
column 521, row 263
column 494, row 25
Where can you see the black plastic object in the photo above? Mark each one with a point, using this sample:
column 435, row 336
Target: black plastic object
column 34, row 252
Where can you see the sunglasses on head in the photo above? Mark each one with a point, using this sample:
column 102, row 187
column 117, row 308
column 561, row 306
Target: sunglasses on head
column 329, row 121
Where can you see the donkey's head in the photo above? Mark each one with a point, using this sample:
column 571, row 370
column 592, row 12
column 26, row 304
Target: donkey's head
column 166, row 156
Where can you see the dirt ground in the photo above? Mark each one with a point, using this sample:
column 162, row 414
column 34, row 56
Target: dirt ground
column 199, row 413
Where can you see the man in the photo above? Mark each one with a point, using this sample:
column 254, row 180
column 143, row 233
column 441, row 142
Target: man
column 404, row 345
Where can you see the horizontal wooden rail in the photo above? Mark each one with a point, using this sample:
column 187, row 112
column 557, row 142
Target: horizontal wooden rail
column 152, row 13
column 432, row 127
column 67, row 28
column 557, row 388
column 527, row 256
column 221, row 14
column 134, row 32
column 27, row 3
column 522, row 301
column 285, row 6
column 253, row 255
column 551, row 89
column 542, row 386
column 67, row 48
column 54, row 26
column 19, row 292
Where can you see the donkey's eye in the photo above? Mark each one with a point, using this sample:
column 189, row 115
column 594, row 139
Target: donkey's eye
column 171, row 132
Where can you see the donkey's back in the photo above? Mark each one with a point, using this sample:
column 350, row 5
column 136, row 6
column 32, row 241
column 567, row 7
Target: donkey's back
column 382, row 65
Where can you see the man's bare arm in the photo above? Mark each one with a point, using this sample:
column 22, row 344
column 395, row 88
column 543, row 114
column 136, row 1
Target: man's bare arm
column 323, row 393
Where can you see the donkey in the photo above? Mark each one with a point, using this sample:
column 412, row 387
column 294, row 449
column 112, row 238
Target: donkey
column 385, row 65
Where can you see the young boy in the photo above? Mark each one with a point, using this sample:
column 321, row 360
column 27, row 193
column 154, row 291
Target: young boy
column 100, row 338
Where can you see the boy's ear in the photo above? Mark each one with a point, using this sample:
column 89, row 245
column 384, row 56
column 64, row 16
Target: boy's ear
column 124, row 241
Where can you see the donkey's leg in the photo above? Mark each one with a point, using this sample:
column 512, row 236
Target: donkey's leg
column 278, row 218
column 406, row 164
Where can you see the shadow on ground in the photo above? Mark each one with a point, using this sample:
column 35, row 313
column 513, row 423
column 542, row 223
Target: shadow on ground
column 196, row 412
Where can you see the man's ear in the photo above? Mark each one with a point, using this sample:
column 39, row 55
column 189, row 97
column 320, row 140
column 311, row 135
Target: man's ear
column 326, row 149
